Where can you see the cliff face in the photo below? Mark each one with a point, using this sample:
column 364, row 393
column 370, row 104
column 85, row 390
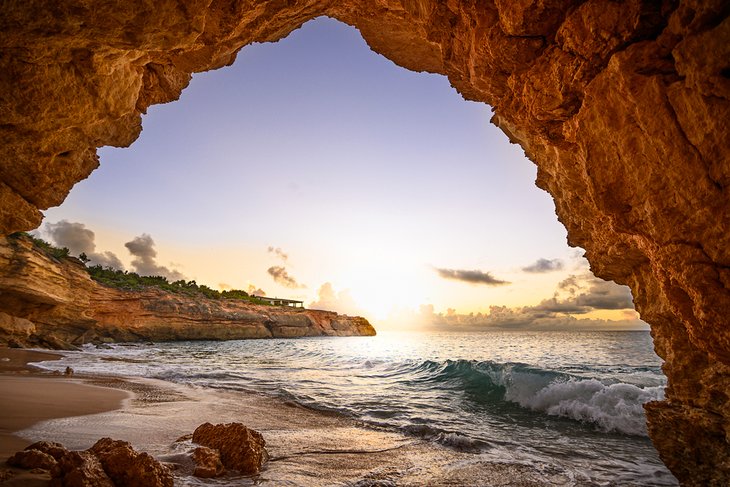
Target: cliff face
column 623, row 105
column 54, row 303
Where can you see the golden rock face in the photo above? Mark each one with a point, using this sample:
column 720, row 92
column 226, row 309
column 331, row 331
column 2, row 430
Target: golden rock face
column 624, row 107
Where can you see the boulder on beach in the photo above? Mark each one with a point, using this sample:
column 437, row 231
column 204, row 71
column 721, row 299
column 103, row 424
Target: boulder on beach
column 109, row 463
column 29, row 459
column 240, row 448
column 42, row 454
column 127, row 467
column 80, row 469
column 56, row 450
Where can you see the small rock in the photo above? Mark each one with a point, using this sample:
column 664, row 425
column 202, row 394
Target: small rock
column 207, row 463
column 29, row 459
column 127, row 467
column 240, row 448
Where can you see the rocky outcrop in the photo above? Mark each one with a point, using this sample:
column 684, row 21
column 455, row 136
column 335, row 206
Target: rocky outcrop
column 109, row 463
column 622, row 104
column 54, row 303
column 31, row 458
column 127, row 467
column 79, row 469
column 240, row 448
column 114, row 463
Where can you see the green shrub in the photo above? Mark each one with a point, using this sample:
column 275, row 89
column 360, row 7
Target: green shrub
column 131, row 281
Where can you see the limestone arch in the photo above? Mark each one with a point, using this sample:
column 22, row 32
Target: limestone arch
column 623, row 106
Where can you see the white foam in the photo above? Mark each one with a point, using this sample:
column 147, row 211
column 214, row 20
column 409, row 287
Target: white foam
column 458, row 441
column 613, row 407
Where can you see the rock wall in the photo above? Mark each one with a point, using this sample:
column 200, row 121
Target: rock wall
column 54, row 303
column 623, row 105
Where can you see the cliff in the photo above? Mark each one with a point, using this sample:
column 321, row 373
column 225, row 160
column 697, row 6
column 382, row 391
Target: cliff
column 624, row 105
column 53, row 303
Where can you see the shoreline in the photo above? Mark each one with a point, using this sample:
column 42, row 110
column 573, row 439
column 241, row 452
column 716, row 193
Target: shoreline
column 29, row 396
column 307, row 447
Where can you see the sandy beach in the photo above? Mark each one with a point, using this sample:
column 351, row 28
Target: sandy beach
column 28, row 397
column 307, row 447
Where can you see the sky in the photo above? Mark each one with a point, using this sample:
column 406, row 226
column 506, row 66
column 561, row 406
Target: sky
column 316, row 169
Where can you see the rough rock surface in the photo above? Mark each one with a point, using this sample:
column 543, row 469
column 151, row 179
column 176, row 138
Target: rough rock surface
column 54, row 303
column 55, row 450
column 79, row 469
column 240, row 448
column 127, row 467
column 31, row 458
column 109, row 463
column 207, row 463
column 624, row 105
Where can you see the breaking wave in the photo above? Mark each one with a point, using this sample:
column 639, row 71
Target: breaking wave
column 610, row 407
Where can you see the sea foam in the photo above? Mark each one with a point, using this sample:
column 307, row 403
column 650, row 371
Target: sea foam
column 614, row 407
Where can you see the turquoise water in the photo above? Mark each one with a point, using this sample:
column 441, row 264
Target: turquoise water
column 561, row 401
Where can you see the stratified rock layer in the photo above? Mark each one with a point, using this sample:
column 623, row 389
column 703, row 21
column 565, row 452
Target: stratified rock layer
column 55, row 304
column 623, row 105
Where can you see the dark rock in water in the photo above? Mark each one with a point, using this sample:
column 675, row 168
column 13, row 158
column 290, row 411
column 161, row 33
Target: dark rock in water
column 240, row 448
column 207, row 463
column 80, row 469
column 29, row 459
column 127, row 467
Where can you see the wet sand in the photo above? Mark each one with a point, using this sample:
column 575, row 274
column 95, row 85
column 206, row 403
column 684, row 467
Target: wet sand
column 307, row 448
column 28, row 397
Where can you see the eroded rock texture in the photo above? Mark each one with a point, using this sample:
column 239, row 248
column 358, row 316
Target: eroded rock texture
column 109, row 463
column 47, row 302
column 240, row 448
column 623, row 105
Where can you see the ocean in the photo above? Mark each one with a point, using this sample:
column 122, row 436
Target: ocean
column 568, row 402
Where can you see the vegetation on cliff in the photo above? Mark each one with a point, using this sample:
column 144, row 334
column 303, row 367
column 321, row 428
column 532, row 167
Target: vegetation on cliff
column 131, row 281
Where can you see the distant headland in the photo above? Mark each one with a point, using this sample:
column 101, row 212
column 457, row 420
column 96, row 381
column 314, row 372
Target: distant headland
column 49, row 299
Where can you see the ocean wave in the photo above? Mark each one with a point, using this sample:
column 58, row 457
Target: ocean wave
column 607, row 402
column 610, row 407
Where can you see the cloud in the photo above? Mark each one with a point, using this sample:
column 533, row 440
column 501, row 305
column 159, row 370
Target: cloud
column 472, row 277
column 278, row 253
column 542, row 266
column 329, row 300
column 281, row 276
column 145, row 261
column 506, row 318
column 575, row 296
column 591, row 293
column 255, row 291
column 80, row 240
